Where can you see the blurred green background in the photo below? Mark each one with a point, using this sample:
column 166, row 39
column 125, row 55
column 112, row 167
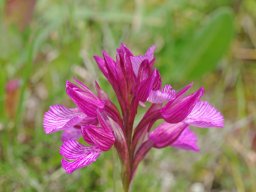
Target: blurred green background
column 46, row 42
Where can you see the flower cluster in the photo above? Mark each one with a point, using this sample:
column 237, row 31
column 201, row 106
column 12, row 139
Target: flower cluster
column 101, row 124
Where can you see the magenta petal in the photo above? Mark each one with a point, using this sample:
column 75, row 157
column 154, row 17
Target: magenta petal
column 123, row 48
column 187, row 141
column 101, row 94
column 77, row 156
column 178, row 110
column 102, row 138
column 137, row 60
column 205, row 115
column 102, row 65
column 158, row 81
column 71, row 134
column 104, row 121
column 110, row 65
column 150, row 52
column 165, row 134
column 181, row 92
column 145, row 87
column 160, row 96
column 59, row 117
column 84, row 98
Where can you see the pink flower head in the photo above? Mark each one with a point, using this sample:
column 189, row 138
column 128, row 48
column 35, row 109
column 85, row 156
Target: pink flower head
column 98, row 121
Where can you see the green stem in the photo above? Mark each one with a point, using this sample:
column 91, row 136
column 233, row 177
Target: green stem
column 126, row 178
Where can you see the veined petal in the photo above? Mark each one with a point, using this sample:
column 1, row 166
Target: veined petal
column 145, row 71
column 103, row 121
column 137, row 60
column 160, row 96
column 166, row 134
column 158, row 81
column 102, row 65
column 71, row 134
column 77, row 156
column 205, row 115
column 103, row 139
column 123, row 55
column 116, row 74
column 187, row 141
column 178, row 110
column 181, row 92
column 84, row 98
column 145, row 87
column 179, row 95
column 125, row 49
column 111, row 65
column 59, row 117
column 101, row 94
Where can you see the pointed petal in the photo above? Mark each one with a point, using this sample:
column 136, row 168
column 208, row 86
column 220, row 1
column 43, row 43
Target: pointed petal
column 145, row 88
column 137, row 60
column 101, row 94
column 123, row 55
column 125, row 49
column 177, row 111
column 116, row 73
column 181, row 92
column 205, row 115
column 145, row 71
column 158, row 81
column 110, row 64
column 71, row 134
column 103, row 139
column 59, row 118
column 150, row 52
column 84, row 98
column 165, row 134
column 103, row 121
column 102, row 66
column 77, row 156
column 160, row 96
column 187, row 141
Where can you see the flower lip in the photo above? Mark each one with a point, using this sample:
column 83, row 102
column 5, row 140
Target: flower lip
column 204, row 115
column 59, row 118
column 76, row 155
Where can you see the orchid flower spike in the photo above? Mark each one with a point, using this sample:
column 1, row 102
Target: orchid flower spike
column 100, row 124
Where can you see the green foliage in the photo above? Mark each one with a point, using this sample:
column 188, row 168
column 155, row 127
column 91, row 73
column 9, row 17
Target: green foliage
column 207, row 45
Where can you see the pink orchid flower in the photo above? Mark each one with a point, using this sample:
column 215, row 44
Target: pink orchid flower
column 98, row 121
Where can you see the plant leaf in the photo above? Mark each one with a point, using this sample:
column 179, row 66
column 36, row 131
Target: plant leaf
column 207, row 45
